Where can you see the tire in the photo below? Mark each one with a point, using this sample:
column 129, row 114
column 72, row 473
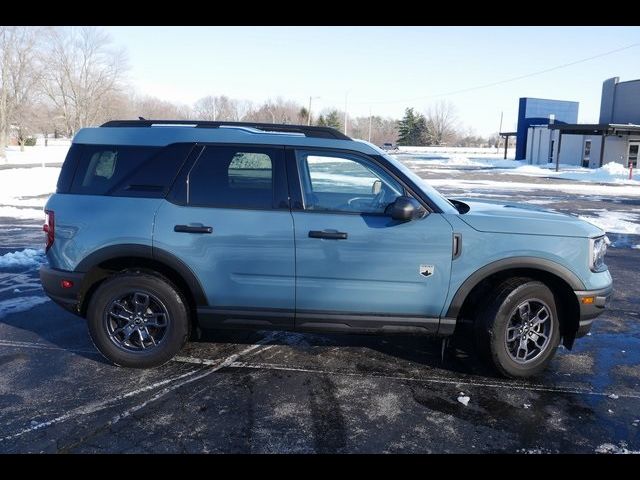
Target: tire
column 502, row 312
column 165, row 316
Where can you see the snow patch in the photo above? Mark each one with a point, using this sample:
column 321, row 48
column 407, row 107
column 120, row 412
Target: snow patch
column 20, row 304
column 464, row 399
column 28, row 257
column 615, row 449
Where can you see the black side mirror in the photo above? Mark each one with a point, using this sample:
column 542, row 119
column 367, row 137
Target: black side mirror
column 405, row 209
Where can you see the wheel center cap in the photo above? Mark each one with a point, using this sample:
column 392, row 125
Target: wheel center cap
column 137, row 320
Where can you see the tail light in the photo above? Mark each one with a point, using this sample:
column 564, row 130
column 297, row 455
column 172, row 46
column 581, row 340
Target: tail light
column 49, row 228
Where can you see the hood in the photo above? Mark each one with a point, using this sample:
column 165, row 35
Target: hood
column 525, row 219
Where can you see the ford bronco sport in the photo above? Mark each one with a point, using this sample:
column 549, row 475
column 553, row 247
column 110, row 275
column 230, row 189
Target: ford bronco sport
column 157, row 227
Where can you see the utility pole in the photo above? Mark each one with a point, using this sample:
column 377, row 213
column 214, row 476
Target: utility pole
column 309, row 116
column 370, row 124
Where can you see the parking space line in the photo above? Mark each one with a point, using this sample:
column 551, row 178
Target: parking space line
column 180, row 380
column 450, row 381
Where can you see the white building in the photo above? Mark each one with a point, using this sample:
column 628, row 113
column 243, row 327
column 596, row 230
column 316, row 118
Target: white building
column 615, row 139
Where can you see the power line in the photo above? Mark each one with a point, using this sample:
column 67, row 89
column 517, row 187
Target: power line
column 493, row 84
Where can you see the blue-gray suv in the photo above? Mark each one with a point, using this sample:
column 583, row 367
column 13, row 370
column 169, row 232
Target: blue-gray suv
column 160, row 227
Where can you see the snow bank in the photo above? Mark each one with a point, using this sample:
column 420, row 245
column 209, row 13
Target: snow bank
column 16, row 183
column 456, row 160
column 459, row 150
column 569, row 188
column 20, row 304
column 28, row 257
column 36, row 155
column 610, row 173
column 27, row 182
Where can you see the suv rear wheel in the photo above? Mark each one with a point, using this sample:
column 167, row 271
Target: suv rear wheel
column 138, row 320
column 519, row 329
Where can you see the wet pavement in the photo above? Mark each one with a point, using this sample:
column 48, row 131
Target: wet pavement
column 240, row 391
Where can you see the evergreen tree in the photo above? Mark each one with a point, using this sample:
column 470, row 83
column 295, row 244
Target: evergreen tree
column 412, row 128
column 333, row 120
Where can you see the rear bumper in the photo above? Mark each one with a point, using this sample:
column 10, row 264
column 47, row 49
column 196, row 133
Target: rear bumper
column 589, row 311
column 68, row 298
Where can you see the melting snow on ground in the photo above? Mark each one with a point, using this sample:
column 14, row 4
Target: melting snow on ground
column 615, row 222
column 28, row 257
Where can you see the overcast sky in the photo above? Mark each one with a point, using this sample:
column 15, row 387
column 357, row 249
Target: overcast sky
column 385, row 69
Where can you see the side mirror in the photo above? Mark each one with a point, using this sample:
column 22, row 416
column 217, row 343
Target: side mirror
column 405, row 209
column 376, row 187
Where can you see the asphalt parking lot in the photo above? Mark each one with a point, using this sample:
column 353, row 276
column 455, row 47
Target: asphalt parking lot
column 259, row 392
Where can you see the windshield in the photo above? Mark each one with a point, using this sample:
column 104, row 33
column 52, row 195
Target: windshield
column 436, row 197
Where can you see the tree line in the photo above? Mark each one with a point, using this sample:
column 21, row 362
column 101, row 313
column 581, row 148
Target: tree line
column 56, row 80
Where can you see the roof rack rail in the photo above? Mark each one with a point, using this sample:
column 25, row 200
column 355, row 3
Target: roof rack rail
column 308, row 131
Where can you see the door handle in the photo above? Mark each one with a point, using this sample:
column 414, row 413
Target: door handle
column 328, row 235
column 192, row 229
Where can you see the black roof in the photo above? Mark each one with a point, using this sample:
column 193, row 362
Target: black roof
column 593, row 128
column 307, row 130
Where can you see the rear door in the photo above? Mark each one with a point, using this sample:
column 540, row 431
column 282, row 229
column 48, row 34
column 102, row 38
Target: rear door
column 228, row 219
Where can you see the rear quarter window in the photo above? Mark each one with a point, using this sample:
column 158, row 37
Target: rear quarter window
column 134, row 171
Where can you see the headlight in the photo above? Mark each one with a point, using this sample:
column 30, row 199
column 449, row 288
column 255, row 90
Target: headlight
column 597, row 252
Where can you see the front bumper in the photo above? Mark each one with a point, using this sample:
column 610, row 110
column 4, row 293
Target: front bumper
column 68, row 298
column 589, row 311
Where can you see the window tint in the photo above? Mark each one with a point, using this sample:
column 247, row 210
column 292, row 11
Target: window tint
column 102, row 167
column 232, row 177
column 333, row 182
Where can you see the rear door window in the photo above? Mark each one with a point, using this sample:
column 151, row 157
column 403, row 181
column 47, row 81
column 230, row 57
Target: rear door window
column 233, row 177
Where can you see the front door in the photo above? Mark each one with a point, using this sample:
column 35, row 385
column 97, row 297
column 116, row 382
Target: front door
column 632, row 154
column 233, row 228
column 356, row 267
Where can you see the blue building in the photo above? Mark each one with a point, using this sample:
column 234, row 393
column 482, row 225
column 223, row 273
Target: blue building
column 538, row 111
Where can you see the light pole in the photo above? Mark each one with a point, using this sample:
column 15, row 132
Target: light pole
column 309, row 111
column 370, row 124
column 346, row 95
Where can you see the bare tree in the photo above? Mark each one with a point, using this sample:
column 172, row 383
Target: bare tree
column 19, row 81
column 383, row 130
column 441, row 123
column 154, row 108
column 83, row 75
column 221, row 108
column 276, row 111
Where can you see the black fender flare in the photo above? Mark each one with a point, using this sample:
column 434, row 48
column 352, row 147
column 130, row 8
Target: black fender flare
column 535, row 263
column 152, row 253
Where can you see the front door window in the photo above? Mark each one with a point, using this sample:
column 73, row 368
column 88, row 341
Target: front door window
column 341, row 183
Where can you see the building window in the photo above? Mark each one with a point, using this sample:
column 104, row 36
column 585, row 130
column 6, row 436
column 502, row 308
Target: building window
column 587, row 153
column 634, row 151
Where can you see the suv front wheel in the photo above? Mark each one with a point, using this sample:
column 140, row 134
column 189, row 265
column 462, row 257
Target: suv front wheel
column 138, row 320
column 519, row 328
